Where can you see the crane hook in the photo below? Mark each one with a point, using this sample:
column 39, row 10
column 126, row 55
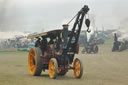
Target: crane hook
column 87, row 22
column 88, row 30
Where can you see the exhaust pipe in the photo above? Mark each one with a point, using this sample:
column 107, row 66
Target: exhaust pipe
column 65, row 34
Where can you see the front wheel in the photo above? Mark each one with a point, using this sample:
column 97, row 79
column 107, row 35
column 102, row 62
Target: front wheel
column 95, row 49
column 78, row 68
column 53, row 68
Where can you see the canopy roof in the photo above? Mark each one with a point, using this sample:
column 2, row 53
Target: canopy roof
column 46, row 34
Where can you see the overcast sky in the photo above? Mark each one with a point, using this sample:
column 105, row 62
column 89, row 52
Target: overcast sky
column 36, row 15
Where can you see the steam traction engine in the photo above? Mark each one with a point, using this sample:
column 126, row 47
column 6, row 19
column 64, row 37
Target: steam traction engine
column 55, row 50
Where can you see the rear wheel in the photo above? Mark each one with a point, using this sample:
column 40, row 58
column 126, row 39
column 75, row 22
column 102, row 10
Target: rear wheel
column 35, row 61
column 53, row 68
column 78, row 68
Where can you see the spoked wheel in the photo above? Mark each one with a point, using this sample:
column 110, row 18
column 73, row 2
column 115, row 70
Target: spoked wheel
column 34, row 61
column 78, row 68
column 95, row 49
column 53, row 68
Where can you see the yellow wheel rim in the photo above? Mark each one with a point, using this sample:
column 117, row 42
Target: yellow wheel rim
column 51, row 69
column 77, row 68
column 32, row 61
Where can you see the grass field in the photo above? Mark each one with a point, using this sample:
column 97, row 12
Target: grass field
column 104, row 68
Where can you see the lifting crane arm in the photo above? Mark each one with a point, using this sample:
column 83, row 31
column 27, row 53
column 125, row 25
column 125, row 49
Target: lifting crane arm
column 74, row 36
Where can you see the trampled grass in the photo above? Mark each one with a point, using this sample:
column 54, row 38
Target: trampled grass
column 104, row 68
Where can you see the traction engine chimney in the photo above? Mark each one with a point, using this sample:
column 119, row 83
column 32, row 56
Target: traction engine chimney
column 65, row 34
